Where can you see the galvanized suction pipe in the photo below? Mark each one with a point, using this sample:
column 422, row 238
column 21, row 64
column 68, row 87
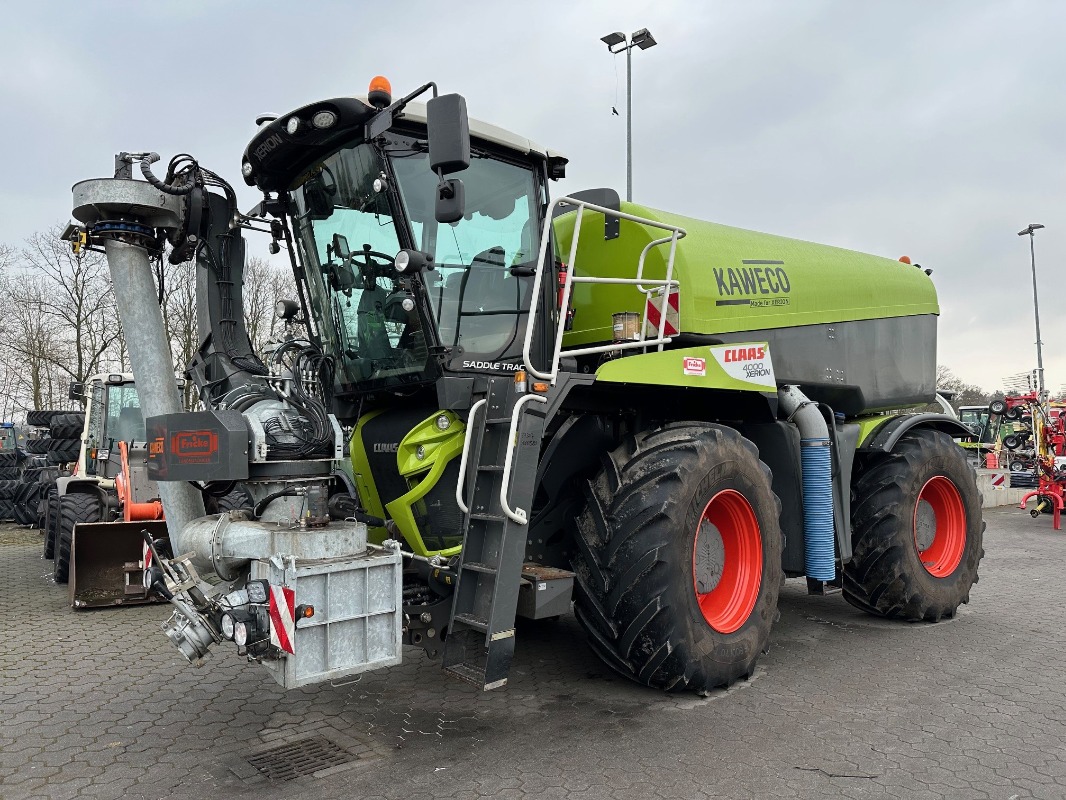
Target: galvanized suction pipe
column 153, row 366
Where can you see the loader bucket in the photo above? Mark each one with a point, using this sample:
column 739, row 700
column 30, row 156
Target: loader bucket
column 105, row 563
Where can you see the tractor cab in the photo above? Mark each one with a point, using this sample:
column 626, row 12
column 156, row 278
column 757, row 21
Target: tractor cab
column 8, row 437
column 398, row 291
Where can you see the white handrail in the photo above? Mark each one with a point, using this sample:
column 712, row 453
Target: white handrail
column 517, row 515
column 466, row 455
column 640, row 282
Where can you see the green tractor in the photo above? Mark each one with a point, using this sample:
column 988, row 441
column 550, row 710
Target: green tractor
column 658, row 418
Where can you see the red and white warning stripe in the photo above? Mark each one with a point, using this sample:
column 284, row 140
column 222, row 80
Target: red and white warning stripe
column 653, row 310
column 998, row 481
column 283, row 618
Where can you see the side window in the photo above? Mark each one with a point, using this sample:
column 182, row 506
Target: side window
column 96, row 417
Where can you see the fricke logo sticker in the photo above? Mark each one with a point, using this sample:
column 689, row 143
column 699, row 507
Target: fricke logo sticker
column 696, row 366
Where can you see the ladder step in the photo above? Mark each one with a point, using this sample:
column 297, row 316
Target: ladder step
column 490, row 468
column 497, row 420
column 485, row 569
column 473, row 622
column 487, row 517
column 474, row 675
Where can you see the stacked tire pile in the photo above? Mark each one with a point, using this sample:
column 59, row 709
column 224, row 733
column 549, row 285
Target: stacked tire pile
column 59, row 445
column 9, row 482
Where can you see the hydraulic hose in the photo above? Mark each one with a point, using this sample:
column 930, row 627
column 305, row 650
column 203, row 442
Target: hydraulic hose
column 819, row 534
column 146, row 171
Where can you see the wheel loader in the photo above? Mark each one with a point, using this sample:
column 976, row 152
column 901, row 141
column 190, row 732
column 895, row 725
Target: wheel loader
column 497, row 400
column 95, row 517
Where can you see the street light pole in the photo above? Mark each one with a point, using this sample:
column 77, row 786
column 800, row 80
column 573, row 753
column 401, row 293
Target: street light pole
column 642, row 39
column 1031, row 231
column 629, row 124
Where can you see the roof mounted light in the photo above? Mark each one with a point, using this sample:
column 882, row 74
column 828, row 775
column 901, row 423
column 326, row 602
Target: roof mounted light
column 380, row 93
column 292, row 125
column 324, row 118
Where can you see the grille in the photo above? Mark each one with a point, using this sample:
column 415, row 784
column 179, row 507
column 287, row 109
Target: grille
column 437, row 516
column 302, row 757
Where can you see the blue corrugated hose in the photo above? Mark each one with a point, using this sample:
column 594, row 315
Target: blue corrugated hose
column 819, row 554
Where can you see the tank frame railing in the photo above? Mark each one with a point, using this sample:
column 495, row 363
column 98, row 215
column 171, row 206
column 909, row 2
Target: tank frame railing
column 645, row 286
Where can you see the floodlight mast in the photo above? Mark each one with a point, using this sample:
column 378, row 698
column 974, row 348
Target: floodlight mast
column 616, row 42
column 1031, row 231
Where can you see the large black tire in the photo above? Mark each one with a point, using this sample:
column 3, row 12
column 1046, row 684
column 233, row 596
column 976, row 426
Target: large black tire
column 25, row 507
column 9, row 458
column 73, row 508
column 921, row 495
column 7, row 511
column 67, row 426
column 40, row 419
column 636, row 557
column 9, row 474
column 36, row 446
column 51, row 520
column 8, row 487
column 63, row 451
column 236, row 498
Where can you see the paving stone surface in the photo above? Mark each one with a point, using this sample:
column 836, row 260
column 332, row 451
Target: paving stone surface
column 97, row 704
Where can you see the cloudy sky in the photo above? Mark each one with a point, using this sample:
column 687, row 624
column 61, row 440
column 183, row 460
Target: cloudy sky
column 930, row 128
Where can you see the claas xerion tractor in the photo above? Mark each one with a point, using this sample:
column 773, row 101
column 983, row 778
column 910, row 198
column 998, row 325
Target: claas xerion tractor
column 544, row 400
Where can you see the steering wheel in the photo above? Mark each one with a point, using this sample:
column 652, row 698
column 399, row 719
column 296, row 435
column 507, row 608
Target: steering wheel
column 367, row 259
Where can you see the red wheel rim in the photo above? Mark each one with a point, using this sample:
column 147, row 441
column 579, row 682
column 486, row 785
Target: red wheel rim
column 727, row 605
column 943, row 553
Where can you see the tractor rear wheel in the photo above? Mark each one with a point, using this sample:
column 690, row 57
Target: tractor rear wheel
column 917, row 530
column 678, row 557
column 73, row 508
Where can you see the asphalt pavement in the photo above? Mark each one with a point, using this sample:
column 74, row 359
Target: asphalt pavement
column 98, row 704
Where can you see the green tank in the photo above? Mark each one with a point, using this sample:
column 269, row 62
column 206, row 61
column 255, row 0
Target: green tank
column 856, row 331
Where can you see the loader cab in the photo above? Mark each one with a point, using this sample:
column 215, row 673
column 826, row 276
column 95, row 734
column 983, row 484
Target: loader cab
column 356, row 204
column 113, row 416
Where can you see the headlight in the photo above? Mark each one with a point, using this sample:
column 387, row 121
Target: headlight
column 292, row 125
column 227, row 626
column 240, row 634
column 443, row 423
column 403, row 261
column 257, row 591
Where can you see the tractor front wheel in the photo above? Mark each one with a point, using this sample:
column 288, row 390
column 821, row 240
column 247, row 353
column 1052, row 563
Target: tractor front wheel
column 73, row 508
column 678, row 558
column 917, row 530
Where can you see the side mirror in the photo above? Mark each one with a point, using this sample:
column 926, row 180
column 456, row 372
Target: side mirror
column 451, row 201
column 77, row 391
column 449, row 134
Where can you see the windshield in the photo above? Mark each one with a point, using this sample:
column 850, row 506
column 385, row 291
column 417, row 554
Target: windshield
column 479, row 291
column 124, row 421
column 7, row 439
column 348, row 241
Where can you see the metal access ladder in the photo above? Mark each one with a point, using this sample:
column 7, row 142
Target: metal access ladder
column 495, row 491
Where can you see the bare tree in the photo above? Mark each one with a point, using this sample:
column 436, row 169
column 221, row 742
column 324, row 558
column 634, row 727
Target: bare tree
column 80, row 300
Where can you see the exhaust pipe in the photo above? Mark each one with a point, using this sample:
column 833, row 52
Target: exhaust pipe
column 819, row 534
